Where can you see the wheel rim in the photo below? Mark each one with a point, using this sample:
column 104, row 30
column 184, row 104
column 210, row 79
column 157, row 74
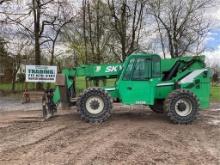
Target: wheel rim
column 94, row 105
column 183, row 107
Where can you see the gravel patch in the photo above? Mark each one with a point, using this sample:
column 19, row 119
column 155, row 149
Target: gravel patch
column 14, row 104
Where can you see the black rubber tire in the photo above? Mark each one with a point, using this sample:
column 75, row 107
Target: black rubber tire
column 94, row 118
column 170, row 106
column 158, row 106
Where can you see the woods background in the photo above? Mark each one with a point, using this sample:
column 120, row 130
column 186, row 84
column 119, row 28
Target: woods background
column 69, row 32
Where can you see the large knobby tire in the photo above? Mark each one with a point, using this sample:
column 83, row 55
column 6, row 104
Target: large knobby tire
column 158, row 106
column 182, row 106
column 94, row 105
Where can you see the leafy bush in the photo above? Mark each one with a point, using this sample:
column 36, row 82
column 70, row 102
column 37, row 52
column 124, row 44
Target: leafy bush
column 21, row 77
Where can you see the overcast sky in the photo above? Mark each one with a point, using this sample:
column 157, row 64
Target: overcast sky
column 212, row 42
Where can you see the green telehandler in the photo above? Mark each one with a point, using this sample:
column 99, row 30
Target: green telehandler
column 179, row 87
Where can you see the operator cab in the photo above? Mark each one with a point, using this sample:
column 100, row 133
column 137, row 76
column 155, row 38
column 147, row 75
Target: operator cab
column 139, row 77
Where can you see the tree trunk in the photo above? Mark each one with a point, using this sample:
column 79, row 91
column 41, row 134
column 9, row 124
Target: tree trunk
column 13, row 82
column 170, row 45
column 123, row 30
column 84, row 36
column 84, row 30
column 90, row 33
column 98, row 34
column 52, row 53
column 161, row 37
column 37, row 12
column 131, row 49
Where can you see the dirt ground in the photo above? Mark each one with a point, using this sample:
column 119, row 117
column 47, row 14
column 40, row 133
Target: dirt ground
column 133, row 135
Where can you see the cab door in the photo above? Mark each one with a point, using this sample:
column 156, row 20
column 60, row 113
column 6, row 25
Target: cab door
column 136, row 85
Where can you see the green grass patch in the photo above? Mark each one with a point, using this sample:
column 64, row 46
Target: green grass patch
column 19, row 86
column 80, row 85
column 215, row 94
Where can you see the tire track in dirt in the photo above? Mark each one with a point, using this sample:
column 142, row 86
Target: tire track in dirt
column 171, row 140
column 121, row 131
column 32, row 138
column 78, row 147
column 104, row 139
column 41, row 132
column 19, row 129
column 92, row 147
column 127, row 138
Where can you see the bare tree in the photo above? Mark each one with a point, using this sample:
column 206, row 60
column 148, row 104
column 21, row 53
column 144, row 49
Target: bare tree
column 84, row 30
column 61, row 18
column 30, row 27
column 99, row 33
column 38, row 21
column 127, row 19
column 182, row 21
column 90, row 33
column 159, row 28
column 5, row 61
column 3, row 1
column 17, row 56
column 36, row 9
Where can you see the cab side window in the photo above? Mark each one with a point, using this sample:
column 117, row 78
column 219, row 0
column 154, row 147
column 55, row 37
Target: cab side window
column 142, row 69
column 156, row 67
column 128, row 70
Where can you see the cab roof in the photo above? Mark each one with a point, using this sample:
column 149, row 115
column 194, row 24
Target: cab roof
column 143, row 54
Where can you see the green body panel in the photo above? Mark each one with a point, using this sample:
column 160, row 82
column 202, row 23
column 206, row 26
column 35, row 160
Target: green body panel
column 201, row 88
column 112, row 92
column 202, row 91
column 56, row 95
column 69, row 73
column 163, row 91
column 137, row 92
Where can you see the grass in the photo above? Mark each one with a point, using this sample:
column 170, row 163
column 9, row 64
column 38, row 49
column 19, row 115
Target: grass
column 81, row 85
column 18, row 86
column 215, row 94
